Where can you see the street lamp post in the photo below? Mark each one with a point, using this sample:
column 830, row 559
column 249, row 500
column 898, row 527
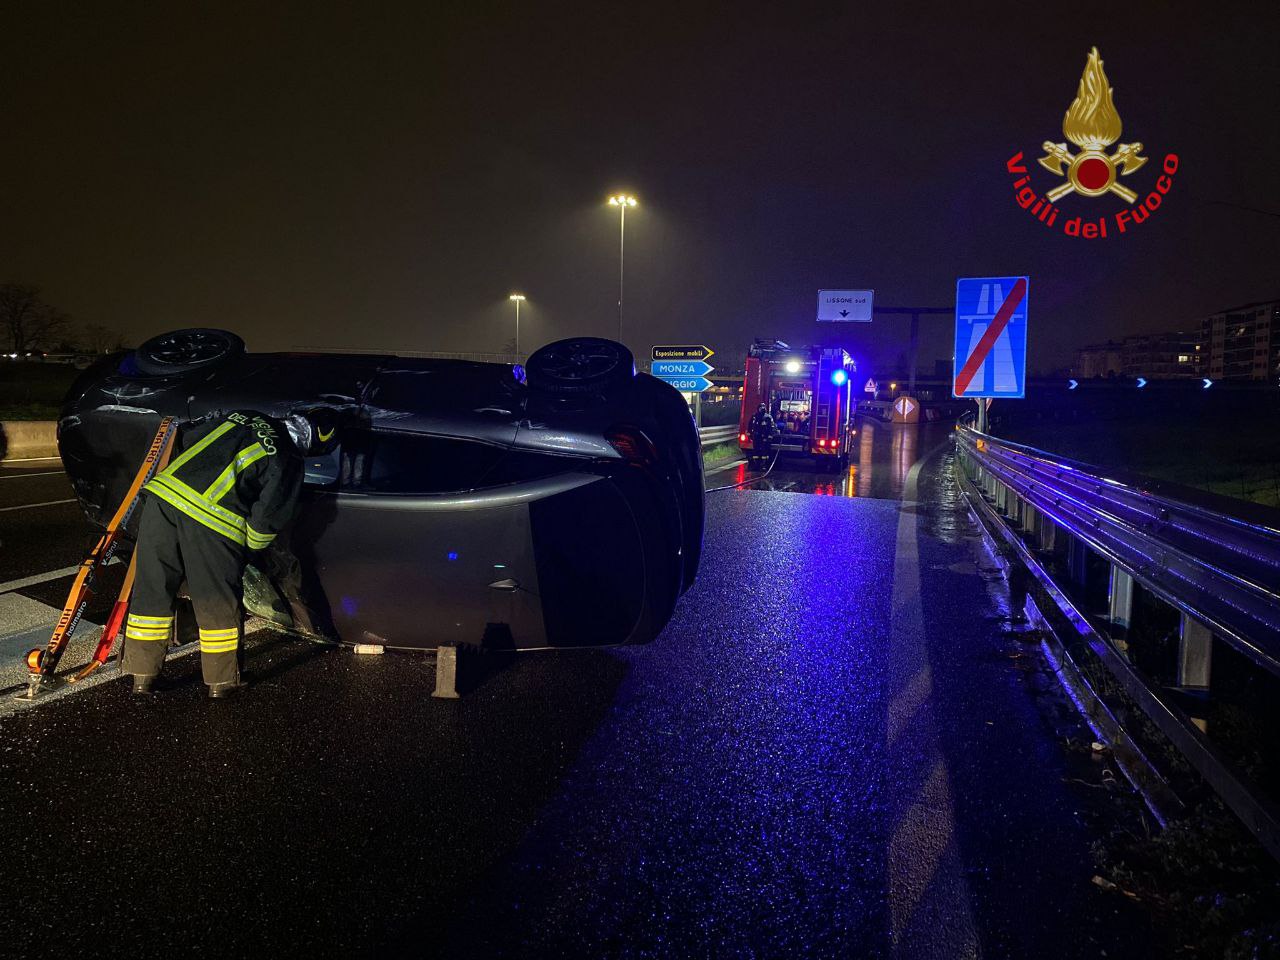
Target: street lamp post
column 518, row 298
column 621, row 201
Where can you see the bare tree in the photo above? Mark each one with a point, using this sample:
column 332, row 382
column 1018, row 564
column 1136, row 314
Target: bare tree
column 29, row 323
column 98, row 338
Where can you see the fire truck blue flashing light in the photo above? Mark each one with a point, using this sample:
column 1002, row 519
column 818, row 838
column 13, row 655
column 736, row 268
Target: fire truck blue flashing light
column 839, row 378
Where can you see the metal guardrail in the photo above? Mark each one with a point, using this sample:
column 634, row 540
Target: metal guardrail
column 723, row 434
column 1215, row 561
column 1221, row 570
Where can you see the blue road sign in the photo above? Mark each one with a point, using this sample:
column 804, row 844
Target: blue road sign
column 991, row 337
column 681, row 368
column 688, row 384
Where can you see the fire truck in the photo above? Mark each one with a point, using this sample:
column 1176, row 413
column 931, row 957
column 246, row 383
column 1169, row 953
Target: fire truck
column 807, row 392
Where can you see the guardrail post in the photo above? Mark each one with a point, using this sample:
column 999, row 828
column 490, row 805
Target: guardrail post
column 1195, row 654
column 1046, row 534
column 1002, row 498
column 1030, row 517
column 1077, row 559
column 1121, row 598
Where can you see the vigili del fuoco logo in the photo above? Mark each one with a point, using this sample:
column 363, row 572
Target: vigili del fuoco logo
column 1093, row 125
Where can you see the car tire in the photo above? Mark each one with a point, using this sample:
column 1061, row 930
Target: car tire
column 580, row 365
column 185, row 351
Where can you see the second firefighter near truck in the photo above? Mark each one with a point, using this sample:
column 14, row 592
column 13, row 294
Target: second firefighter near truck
column 233, row 487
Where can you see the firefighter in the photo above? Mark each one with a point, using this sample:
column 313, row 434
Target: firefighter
column 228, row 493
column 762, row 428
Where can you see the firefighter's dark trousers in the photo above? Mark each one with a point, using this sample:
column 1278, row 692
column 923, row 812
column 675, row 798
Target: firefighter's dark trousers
column 173, row 547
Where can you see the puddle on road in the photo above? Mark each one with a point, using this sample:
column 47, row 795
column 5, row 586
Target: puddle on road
column 880, row 461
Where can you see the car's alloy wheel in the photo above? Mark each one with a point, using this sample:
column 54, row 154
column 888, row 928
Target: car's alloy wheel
column 183, row 351
column 580, row 365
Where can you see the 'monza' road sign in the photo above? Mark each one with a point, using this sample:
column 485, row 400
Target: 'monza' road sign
column 991, row 337
column 681, row 368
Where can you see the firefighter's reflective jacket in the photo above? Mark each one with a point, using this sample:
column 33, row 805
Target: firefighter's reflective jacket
column 238, row 476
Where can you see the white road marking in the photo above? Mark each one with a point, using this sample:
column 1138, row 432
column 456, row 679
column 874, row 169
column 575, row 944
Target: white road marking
column 728, row 466
column 11, row 585
column 43, row 473
column 27, row 460
column 32, row 506
column 109, row 671
column 929, row 907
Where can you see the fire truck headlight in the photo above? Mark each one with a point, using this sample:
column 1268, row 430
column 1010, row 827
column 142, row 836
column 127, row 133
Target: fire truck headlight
column 839, row 378
column 793, row 366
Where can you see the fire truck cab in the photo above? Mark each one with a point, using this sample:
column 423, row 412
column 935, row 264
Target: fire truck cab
column 807, row 392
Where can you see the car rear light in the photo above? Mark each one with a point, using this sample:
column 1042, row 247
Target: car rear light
column 632, row 444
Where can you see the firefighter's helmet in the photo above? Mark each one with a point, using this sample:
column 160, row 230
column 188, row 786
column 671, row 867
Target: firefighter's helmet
column 314, row 432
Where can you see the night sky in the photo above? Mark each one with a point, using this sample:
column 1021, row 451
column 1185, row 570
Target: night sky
column 381, row 177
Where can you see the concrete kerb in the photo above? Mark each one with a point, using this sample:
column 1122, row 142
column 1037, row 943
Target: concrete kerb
column 28, row 439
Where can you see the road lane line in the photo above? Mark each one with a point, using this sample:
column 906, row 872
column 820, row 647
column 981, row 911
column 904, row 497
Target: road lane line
column 10, row 585
column 109, row 671
column 727, row 466
column 27, row 460
column 32, row 506
column 929, row 903
column 24, row 476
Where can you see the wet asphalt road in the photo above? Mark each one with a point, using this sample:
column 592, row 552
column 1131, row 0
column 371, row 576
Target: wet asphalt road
column 38, row 530
column 835, row 749
column 879, row 463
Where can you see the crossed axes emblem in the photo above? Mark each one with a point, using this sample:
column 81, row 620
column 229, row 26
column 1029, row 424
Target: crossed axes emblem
column 1091, row 172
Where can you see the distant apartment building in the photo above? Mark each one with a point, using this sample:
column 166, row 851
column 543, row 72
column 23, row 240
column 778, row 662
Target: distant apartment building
column 1243, row 342
column 1099, row 360
column 1156, row 356
column 1164, row 356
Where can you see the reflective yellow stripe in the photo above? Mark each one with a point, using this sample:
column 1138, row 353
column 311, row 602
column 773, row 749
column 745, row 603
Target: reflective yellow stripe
column 135, row 633
column 193, row 510
column 163, row 487
column 244, row 459
column 228, row 633
column 226, row 516
column 208, row 439
column 140, row 620
column 221, row 646
column 258, row 540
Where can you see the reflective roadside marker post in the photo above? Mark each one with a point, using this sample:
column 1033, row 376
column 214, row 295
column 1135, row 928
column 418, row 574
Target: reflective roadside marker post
column 990, row 340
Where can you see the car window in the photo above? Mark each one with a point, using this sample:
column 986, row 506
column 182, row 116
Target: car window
column 409, row 463
column 441, row 386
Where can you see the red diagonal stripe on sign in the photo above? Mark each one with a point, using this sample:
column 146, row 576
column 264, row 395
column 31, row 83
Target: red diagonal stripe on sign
column 990, row 337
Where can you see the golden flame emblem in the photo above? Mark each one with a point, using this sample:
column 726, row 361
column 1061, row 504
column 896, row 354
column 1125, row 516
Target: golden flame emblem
column 1092, row 124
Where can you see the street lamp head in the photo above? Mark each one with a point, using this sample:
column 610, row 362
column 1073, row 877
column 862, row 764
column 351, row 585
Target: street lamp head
column 516, row 296
column 622, row 200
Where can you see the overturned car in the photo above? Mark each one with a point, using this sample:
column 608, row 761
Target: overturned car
column 553, row 505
